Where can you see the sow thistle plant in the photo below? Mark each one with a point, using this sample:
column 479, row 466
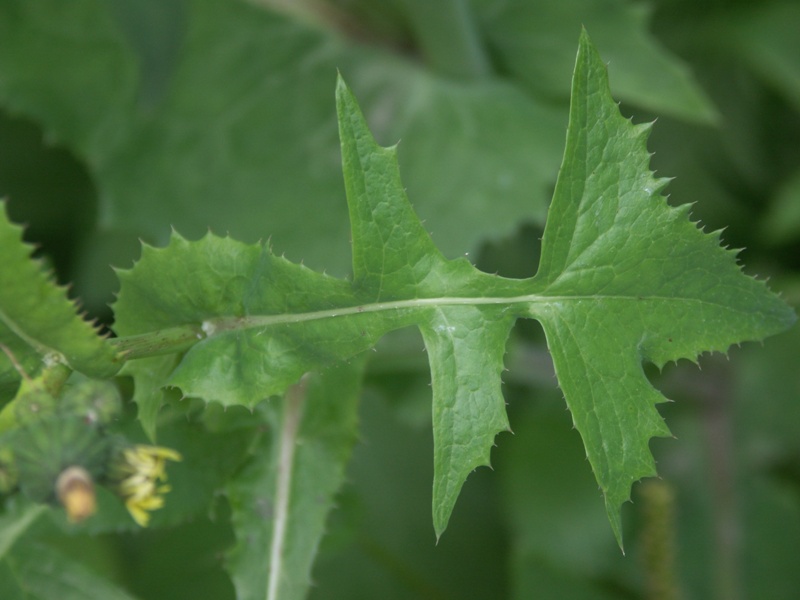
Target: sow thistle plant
column 624, row 278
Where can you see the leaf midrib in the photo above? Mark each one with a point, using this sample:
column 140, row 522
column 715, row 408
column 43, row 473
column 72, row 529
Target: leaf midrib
column 223, row 324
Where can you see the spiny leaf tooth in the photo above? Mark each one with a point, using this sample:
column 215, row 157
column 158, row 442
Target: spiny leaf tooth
column 642, row 130
column 174, row 233
column 117, row 271
column 716, row 234
column 103, row 333
column 684, row 211
column 147, row 251
column 660, row 183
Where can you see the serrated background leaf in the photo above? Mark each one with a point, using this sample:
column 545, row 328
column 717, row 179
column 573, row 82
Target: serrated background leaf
column 277, row 543
column 37, row 319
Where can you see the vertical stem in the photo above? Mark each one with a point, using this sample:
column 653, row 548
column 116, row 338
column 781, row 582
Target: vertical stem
column 292, row 414
column 659, row 541
column 727, row 533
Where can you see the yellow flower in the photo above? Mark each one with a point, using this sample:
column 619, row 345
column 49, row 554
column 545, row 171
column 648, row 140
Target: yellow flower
column 138, row 471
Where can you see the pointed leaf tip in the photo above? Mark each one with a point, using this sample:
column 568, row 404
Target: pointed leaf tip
column 344, row 96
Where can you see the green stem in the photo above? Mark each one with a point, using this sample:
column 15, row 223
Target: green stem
column 448, row 38
column 659, row 541
column 156, row 343
column 294, row 402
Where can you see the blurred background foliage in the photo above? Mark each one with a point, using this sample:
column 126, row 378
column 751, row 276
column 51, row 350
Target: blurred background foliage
column 121, row 119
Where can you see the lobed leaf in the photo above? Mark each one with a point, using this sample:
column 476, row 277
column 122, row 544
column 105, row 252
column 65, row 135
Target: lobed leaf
column 268, row 321
column 623, row 278
column 627, row 278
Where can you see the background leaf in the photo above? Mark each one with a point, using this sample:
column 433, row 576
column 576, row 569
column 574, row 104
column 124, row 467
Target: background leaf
column 38, row 572
column 15, row 520
column 764, row 37
column 37, row 319
column 531, row 39
column 283, row 495
column 194, row 135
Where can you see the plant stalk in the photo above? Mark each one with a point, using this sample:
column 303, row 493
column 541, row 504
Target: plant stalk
column 294, row 401
column 157, row 343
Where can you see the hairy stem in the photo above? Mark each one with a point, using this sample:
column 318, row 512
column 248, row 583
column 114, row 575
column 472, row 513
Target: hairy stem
column 659, row 541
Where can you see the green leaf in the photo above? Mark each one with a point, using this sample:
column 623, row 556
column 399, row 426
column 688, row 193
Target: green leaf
column 269, row 321
column 282, row 497
column 624, row 278
column 764, row 36
column 530, row 38
column 231, row 125
column 232, row 289
column 150, row 374
column 38, row 323
column 781, row 222
column 38, row 572
column 17, row 518
column 630, row 279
